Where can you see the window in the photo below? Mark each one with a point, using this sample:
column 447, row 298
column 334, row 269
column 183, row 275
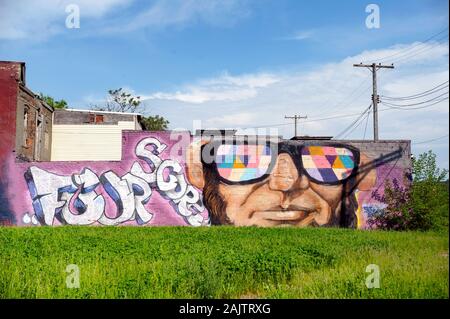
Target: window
column 95, row 118
column 98, row 118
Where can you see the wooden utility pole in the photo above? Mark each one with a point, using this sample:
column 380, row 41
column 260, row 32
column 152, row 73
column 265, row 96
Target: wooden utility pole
column 375, row 98
column 296, row 117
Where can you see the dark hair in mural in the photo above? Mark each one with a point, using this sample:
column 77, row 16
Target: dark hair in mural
column 212, row 199
column 349, row 206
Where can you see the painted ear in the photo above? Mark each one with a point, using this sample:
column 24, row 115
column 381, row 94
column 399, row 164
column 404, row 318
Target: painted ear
column 366, row 180
column 194, row 166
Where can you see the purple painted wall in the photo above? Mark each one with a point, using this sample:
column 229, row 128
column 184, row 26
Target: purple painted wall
column 86, row 193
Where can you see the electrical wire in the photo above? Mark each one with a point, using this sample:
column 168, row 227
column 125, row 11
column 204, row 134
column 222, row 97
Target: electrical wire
column 414, row 46
column 432, row 140
column 419, row 95
column 415, row 53
column 361, row 115
column 342, row 102
column 367, row 121
column 356, row 126
column 414, row 108
column 418, row 103
column 425, row 47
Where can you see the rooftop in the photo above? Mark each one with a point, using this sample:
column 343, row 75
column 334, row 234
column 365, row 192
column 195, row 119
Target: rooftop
column 95, row 111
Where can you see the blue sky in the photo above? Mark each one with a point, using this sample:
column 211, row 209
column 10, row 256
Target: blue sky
column 237, row 63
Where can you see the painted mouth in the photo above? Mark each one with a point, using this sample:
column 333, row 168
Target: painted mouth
column 291, row 216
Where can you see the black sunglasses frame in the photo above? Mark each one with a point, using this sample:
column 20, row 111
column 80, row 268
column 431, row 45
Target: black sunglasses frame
column 277, row 148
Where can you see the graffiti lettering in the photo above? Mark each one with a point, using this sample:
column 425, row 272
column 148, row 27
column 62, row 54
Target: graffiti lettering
column 73, row 199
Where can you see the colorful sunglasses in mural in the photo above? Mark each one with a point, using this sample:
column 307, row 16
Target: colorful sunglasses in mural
column 243, row 163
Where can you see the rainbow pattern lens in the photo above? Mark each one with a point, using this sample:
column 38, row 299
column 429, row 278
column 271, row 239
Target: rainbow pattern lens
column 239, row 163
column 328, row 164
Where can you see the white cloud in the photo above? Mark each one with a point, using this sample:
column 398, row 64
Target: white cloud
column 223, row 88
column 42, row 19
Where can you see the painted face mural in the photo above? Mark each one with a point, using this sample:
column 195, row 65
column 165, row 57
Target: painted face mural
column 281, row 184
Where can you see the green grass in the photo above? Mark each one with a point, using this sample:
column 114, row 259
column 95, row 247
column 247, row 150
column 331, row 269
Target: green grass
column 221, row 262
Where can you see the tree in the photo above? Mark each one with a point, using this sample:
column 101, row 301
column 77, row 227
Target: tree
column 154, row 123
column 61, row 104
column 121, row 101
column 423, row 205
column 425, row 169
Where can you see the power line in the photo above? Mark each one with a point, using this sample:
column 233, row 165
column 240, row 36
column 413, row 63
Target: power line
column 418, row 103
column 432, row 140
column 415, row 108
column 340, row 87
column 367, row 121
column 400, row 61
column 341, row 102
column 419, row 95
column 420, row 51
column 361, row 115
column 356, row 126
column 414, row 46
column 389, row 106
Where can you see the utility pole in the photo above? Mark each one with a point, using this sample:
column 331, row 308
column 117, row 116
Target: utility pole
column 375, row 98
column 296, row 117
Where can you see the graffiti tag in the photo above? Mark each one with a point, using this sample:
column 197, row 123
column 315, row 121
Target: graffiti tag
column 73, row 199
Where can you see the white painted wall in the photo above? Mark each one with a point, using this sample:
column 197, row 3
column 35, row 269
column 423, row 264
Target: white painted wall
column 88, row 142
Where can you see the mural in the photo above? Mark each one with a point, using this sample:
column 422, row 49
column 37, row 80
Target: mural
column 73, row 199
column 147, row 187
column 286, row 183
column 175, row 179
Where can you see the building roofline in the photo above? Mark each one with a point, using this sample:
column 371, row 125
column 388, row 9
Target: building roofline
column 12, row 62
column 95, row 111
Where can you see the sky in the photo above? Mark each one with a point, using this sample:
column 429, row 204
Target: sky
column 245, row 64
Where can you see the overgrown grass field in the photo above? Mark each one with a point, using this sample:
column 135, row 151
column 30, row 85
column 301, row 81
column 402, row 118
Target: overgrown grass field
column 221, row 262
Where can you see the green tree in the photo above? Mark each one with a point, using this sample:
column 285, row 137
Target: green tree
column 429, row 191
column 154, row 123
column 61, row 104
column 425, row 169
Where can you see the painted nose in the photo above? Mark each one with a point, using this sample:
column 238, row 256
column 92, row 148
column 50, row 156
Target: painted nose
column 284, row 174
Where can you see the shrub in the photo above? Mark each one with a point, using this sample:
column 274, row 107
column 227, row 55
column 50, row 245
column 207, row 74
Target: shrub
column 423, row 205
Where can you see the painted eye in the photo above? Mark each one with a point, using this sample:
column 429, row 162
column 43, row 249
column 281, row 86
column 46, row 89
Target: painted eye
column 328, row 164
column 240, row 163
